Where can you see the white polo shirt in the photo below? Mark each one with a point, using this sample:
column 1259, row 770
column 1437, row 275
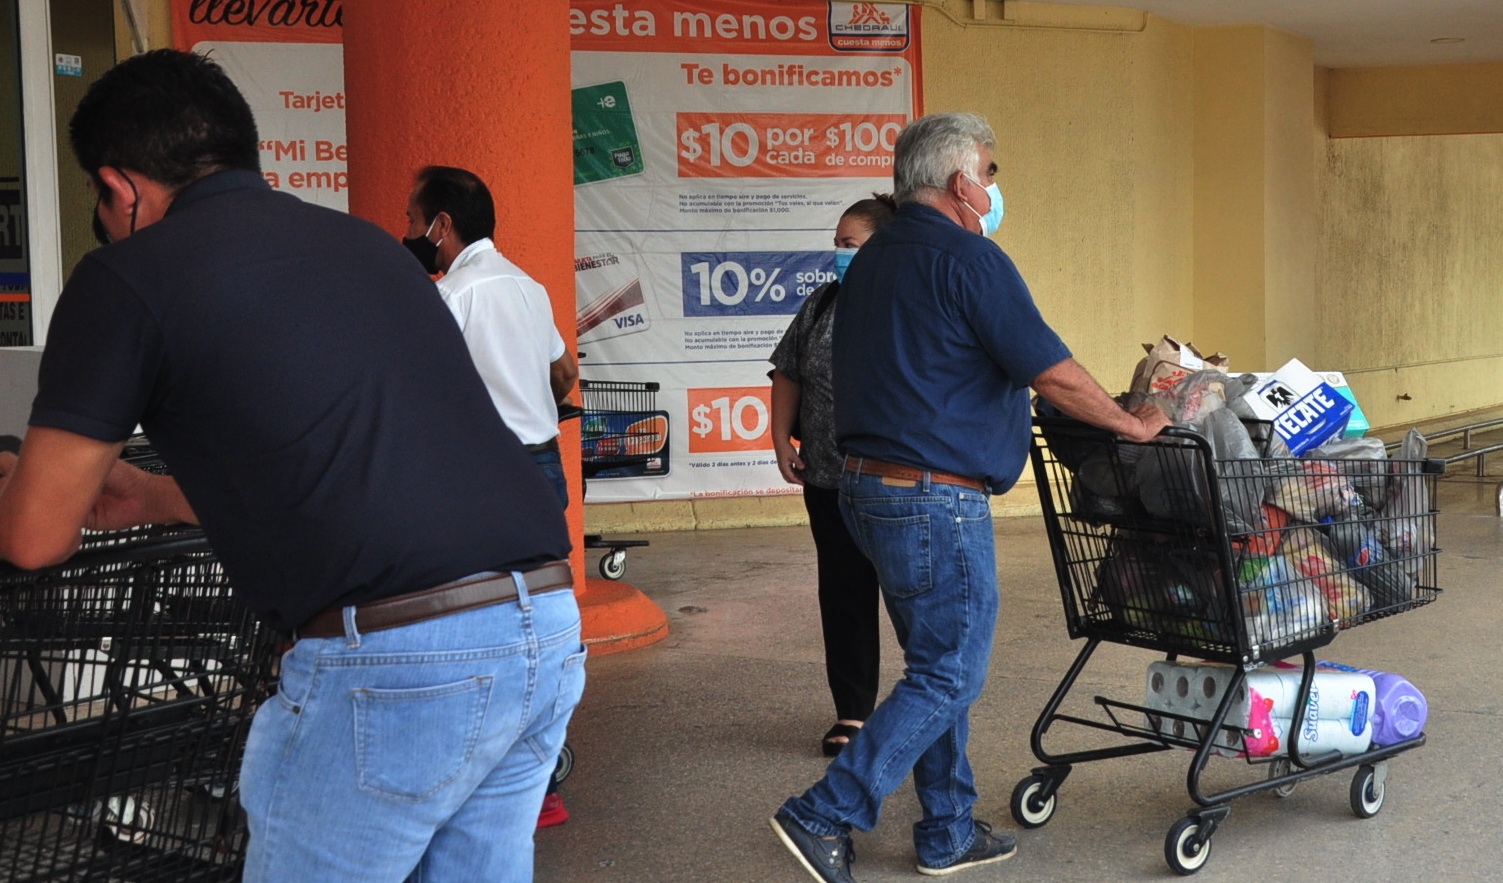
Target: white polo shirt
column 507, row 322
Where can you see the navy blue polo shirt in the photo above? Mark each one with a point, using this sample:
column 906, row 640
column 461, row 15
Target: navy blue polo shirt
column 936, row 342
column 310, row 392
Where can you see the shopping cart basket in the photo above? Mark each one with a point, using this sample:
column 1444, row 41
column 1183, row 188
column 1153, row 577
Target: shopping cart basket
column 1162, row 546
column 622, row 434
column 130, row 676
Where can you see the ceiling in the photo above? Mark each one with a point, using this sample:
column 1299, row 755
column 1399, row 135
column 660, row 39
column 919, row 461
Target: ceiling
column 1355, row 33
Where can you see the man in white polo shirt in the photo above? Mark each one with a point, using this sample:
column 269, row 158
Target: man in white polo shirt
column 505, row 316
column 507, row 323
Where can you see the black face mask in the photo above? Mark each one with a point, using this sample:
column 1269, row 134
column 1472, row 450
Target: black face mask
column 103, row 235
column 100, row 233
column 424, row 250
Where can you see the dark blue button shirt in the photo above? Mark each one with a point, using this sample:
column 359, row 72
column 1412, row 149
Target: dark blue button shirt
column 935, row 348
column 309, row 391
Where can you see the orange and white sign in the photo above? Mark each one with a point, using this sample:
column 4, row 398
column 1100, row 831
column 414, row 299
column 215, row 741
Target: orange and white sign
column 786, row 145
column 287, row 57
column 737, row 418
column 716, row 143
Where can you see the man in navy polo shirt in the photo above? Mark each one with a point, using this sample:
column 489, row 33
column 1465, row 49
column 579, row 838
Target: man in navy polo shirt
column 933, row 362
column 322, row 420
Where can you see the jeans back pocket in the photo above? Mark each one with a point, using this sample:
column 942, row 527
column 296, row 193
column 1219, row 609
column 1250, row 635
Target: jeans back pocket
column 899, row 548
column 409, row 743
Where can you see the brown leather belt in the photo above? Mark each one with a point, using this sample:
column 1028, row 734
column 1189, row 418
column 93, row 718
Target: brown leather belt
column 868, row 466
column 455, row 597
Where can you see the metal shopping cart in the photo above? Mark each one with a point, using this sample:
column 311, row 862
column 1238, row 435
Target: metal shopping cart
column 1164, row 547
column 129, row 677
column 622, row 435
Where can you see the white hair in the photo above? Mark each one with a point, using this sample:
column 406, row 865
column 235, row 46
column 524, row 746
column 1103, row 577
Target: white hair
column 932, row 148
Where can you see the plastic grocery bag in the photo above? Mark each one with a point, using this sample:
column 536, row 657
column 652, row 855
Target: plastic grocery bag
column 1312, row 558
column 1313, row 490
column 1406, row 530
column 1172, row 480
column 1367, row 468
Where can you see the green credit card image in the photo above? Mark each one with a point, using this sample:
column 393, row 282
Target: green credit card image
column 605, row 136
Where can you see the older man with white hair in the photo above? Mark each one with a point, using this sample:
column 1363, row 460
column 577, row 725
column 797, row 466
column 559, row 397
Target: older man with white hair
column 933, row 364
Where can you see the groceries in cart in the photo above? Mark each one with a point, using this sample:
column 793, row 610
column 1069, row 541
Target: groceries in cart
column 1317, row 540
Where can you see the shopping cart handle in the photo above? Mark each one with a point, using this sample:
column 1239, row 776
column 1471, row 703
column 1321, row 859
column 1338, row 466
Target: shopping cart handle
column 568, row 411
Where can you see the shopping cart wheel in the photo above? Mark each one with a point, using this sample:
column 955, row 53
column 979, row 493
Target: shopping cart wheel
column 1278, row 768
column 1028, row 808
column 1367, row 789
column 1185, row 848
column 565, row 764
column 613, row 564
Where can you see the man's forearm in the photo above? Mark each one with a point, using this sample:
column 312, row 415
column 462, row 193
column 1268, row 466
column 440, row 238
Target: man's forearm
column 1070, row 388
column 165, row 503
column 562, row 373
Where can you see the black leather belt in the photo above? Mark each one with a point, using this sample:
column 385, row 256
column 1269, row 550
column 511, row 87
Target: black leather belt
column 455, row 597
column 543, row 448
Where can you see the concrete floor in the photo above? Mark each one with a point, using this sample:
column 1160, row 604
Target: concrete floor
column 685, row 748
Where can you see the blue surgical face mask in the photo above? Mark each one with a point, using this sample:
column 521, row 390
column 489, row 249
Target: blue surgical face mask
column 992, row 220
column 993, row 217
column 842, row 261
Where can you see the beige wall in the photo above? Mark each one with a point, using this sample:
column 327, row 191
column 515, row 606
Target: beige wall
column 1411, row 270
column 1095, row 154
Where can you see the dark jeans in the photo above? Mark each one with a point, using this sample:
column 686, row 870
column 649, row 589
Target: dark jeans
column 933, row 548
column 848, row 599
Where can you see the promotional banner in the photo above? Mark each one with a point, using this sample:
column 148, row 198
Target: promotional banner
column 716, row 143
column 287, row 58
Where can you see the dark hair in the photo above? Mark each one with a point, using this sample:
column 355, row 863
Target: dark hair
column 173, row 116
column 876, row 211
column 460, row 194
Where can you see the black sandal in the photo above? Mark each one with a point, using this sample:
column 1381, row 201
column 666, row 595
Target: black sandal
column 830, row 746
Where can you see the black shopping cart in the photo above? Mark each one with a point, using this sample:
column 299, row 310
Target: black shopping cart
column 1165, row 547
column 130, row 676
column 622, row 435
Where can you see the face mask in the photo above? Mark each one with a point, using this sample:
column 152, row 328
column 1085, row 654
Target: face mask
column 842, row 261
column 992, row 220
column 993, row 217
column 100, row 233
column 425, row 251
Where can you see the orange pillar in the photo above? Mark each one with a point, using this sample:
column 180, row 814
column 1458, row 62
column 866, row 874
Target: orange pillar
column 485, row 86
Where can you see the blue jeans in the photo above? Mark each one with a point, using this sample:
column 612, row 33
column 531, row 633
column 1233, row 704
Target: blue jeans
column 553, row 467
column 935, row 556
column 418, row 753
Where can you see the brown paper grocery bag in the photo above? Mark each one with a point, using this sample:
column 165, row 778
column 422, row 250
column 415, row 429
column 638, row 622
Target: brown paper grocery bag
column 1168, row 362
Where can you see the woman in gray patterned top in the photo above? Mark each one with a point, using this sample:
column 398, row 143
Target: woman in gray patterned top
column 803, row 407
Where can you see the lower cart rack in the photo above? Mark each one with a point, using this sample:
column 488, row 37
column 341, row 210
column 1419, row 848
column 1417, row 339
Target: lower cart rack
column 1240, row 563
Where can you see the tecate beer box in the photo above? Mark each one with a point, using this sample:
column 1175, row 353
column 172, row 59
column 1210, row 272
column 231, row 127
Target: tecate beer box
column 1306, row 411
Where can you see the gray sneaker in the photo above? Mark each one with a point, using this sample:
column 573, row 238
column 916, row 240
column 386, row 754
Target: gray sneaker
column 985, row 849
column 825, row 858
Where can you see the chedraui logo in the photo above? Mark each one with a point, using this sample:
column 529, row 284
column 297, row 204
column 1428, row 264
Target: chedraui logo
column 869, row 27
